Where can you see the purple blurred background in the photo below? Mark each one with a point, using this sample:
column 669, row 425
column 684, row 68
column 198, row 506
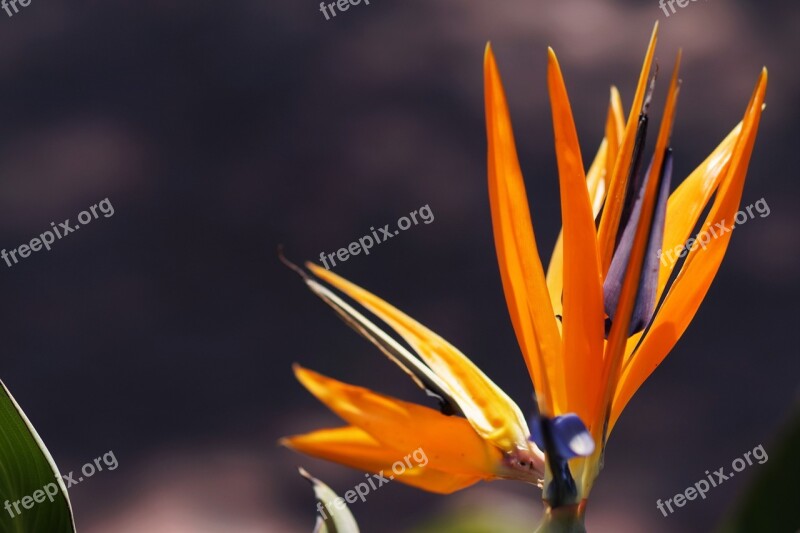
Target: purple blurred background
column 217, row 130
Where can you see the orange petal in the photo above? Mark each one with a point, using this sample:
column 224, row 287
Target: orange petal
column 520, row 266
column 582, row 324
column 609, row 222
column 613, row 356
column 665, row 130
column 697, row 273
column 490, row 411
column 617, row 338
column 597, row 183
column 353, row 447
column 555, row 269
column 449, row 441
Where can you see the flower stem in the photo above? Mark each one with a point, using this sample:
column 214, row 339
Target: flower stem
column 564, row 519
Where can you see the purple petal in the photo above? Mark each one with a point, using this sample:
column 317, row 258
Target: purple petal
column 646, row 293
column 568, row 435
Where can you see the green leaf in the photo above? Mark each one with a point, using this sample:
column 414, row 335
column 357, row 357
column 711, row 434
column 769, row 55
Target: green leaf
column 27, row 471
column 335, row 519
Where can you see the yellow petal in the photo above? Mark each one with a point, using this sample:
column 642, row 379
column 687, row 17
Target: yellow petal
column 555, row 275
column 615, row 128
column 690, row 199
column 521, row 269
column 609, row 222
column 697, row 273
column 353, row 447
column 449, row 441
column 490, row 411
column 420, row 373
column 684, row 208
column 582, row 324
column 596, row 178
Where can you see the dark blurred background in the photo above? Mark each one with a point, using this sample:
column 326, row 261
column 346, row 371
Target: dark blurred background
column 217, row 130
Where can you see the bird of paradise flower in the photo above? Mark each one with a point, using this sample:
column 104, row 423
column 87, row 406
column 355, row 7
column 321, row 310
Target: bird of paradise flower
column 591, row 330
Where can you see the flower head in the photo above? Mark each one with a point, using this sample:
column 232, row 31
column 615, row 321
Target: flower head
column 591, row 329
column 477, row 433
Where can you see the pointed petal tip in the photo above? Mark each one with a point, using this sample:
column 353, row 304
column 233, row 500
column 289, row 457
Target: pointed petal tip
column 653, row 39
column 317, row 271
column 301, row 374
column 759, row 93
column 306, row 475
column 313, row 382
column 488, row 55
column 313, row 267
column 553, row 66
